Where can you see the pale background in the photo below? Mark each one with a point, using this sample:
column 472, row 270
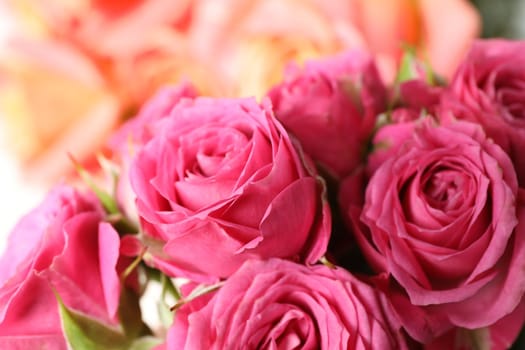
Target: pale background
column 16, row 197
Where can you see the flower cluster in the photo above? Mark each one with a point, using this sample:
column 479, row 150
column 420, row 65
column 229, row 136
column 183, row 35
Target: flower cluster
column 338, row 212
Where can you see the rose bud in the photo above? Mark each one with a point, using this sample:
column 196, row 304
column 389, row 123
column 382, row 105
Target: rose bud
column 331, row 106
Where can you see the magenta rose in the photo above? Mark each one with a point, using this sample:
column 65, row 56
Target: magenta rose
column 60, row 247
column 443, row 217
column 219, row 183
column 277, row 304
column 331, row 106
column 489, row 89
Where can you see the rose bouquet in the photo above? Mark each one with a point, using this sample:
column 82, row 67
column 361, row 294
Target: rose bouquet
column 338, row 212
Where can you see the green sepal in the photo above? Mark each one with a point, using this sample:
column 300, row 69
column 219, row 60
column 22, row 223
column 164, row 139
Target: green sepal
column 407, row 67
column 84, row 333
column 197, row 292
column 107, row 200
column 109, row 168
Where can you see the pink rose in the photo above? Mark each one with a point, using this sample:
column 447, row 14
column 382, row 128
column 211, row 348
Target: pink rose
column 331, row 107
column 219, row 183
column 62, row 246
column 416, row 98
column 499, row 336
column 277, row 304
column 489, row 88
column 443, row 217
column 131, row 136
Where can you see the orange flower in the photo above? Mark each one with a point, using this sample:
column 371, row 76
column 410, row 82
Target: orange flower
column 116, row 28
column 92, row 63
column 249, row 41
column 54, row 100
column 71, row 74
column 441, row 31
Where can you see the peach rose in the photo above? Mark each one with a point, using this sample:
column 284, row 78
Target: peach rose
column 66, row 73
column 53, row 100
column 104, row 27
column 234, row 47
column 250, row 41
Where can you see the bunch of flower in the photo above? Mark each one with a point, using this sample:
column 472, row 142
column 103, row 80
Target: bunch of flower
column 336, row 213
column 83, row 55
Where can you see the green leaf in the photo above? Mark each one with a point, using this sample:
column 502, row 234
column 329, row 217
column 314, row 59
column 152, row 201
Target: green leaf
column 169, row 288
column 121, row 223
column 130, row 315
column 169, row 294
column 84, row 333
column 145, row 343
column 107, row 200
column 165, row 313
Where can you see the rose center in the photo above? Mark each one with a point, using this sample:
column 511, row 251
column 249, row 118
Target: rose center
column 290, row 332
column 444, row 189
column 207, row 152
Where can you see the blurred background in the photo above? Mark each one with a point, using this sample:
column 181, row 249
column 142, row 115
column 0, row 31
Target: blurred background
column 19, row 168
column 504, row 18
